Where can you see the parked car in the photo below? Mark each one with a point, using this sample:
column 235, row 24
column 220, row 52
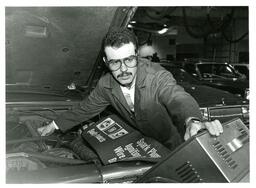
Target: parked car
column 242, row 68
column 214, row 103
column 219, row 75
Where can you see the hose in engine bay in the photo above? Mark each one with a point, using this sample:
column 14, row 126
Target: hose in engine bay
column 47, row 158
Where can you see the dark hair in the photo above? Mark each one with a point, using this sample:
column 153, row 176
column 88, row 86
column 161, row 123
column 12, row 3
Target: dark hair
column 117, row 37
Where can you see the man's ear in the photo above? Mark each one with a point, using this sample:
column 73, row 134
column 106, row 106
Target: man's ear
column 105, row 61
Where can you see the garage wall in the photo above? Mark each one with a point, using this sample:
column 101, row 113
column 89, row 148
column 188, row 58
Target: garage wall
column 182, row 45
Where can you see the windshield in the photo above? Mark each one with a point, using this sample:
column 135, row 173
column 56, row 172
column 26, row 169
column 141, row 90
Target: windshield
column 217, row 71
column 180, row 74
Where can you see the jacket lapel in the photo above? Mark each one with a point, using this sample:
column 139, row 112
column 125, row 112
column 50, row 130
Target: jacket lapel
column 139, row 86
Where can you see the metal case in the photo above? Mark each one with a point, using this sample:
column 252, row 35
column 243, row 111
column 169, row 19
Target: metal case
column 206, row 158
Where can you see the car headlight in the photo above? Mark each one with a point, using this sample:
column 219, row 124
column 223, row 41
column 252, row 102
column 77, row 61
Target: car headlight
column 245, row 111
column 247, row 94
column 205, row 113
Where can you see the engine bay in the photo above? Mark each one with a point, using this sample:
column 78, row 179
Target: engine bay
column 106, row 150
column 23, row 140
column 28, row 154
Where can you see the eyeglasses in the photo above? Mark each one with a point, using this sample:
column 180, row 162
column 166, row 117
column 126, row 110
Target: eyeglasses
column 115, row 64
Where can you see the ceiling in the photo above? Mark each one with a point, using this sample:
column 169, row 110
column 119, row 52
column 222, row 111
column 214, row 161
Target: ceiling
column 203, row 18
column 172, row 15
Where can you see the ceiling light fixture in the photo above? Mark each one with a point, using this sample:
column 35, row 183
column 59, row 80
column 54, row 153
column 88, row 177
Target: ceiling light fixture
column 130, row 26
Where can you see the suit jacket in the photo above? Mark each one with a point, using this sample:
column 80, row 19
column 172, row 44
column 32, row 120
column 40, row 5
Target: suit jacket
column 160, row 110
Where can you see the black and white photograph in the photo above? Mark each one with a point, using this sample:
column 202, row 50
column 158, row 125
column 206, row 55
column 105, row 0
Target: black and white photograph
column 137, row 94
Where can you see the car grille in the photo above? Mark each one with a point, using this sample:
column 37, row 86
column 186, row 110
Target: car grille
column 225, row 113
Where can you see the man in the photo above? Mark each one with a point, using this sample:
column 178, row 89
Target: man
column 145, row 95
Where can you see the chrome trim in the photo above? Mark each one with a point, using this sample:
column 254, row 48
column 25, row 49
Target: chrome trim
column 228, row 115
column 123, row 172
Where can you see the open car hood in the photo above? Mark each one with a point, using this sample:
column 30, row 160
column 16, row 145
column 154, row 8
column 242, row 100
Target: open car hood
column 50, row 48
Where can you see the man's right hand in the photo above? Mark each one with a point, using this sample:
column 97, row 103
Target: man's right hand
column 47, row 130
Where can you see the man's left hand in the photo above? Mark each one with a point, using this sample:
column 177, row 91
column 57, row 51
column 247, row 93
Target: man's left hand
column 214, row 128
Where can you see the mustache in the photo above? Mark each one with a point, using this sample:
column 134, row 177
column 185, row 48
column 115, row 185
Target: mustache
column 124, row 74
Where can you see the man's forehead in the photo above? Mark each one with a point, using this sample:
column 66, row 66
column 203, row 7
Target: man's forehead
column 120, row 52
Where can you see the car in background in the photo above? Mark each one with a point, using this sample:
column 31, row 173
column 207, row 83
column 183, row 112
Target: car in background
column 214, row 103
column 242, row 68
column 219, row 75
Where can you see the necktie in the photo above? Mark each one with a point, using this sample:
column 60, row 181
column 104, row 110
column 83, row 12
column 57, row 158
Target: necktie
column 129, row 101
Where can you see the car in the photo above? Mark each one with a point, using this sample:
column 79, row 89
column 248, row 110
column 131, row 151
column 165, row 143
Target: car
column 242, row 68
column 214, row 103
column 53, row 60
column 219, row 75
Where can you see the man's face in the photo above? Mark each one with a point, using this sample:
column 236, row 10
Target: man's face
column 124, row 75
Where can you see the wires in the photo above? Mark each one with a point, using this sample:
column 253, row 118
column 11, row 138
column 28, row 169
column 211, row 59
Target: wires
column 234, row 40
column 13, row 128
column 209, row 27
column 30, row 112
column 201, row 34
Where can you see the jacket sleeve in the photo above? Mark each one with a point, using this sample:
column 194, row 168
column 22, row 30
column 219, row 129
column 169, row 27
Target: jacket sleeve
column 91, row 106
column 179, row 104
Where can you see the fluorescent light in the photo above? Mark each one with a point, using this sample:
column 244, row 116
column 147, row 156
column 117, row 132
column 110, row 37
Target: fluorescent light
column 129, row 26
column 162, row 31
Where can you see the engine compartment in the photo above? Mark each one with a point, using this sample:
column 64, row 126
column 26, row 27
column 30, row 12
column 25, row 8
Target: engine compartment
column 22, row 137
column 31, row 158
column 66, row 157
